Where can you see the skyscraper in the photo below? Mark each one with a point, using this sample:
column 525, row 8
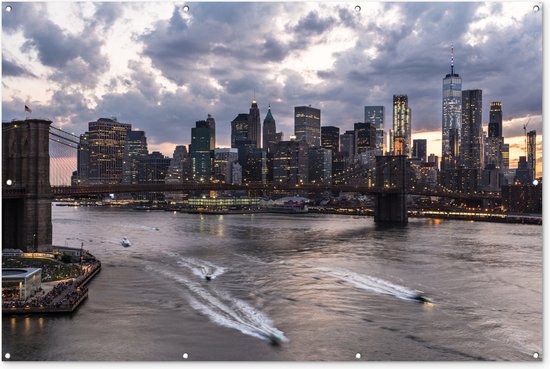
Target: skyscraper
column 320, row 165
column 495, row 119
column 307, row 125
column 101, row 153
column 236, row 173
column 523, row 172
column 180, row 166
column 420, row 149
column 270, row 137
column 375, row 116
column 471, row 140
column 290, row 162
column 254, row 126
column 330, row 138
column 494, row 138
column 179, row 171
column 365, row 137
column 508, row 174
column 201, row 155
column 401, row 125
column 223, row 164
column 255, row 168
column 211, row 124
column 347, row 144
column 135, row 152
column 239, row 129
column 506, row 157
column 532, row 153
column 253, row 161
column 451, row 113
column 154, row 168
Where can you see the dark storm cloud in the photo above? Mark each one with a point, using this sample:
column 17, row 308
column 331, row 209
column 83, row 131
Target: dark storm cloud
column 232, row 35
column 274, row 50
column 72, row 101
column 235, row 86
column 54, row 48
column 313, row 24
column 411, row 58
column 172, row 49
column 76, row 59
column 10, row 68
column 220, row 54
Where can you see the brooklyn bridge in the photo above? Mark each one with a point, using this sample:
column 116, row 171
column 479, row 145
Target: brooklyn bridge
column 27, row 195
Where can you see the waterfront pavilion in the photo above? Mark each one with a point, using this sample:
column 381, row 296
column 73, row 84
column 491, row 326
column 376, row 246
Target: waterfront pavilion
column 20, row 283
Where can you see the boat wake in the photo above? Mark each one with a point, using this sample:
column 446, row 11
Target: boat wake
column 200, row 268
column 373, row 284
column 225, row 310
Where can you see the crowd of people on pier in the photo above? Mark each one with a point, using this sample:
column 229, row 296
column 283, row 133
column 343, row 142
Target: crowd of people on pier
column 63, row 294
column 51, row 271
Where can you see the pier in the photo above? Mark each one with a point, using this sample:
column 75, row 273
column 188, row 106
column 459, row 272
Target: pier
column 65, row 297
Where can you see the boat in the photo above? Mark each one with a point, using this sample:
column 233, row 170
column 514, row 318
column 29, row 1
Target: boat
column 207, row 272
column 274, row 340
column 419, row 297
column 125, row 242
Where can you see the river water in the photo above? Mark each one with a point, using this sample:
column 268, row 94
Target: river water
column 328, row 286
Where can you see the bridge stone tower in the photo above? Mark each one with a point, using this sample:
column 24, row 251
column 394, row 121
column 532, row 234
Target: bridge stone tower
column 26, row 193
column 391, row 182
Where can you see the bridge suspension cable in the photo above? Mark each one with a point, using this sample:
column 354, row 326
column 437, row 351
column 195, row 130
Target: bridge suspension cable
column 63, row 156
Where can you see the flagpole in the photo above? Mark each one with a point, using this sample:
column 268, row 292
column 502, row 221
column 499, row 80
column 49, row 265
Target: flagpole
column 27, row 112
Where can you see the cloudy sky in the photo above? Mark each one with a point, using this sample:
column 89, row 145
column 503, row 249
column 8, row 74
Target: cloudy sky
column 161, row 68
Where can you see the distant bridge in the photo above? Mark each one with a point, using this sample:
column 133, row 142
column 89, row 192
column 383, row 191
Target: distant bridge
column 90, row 190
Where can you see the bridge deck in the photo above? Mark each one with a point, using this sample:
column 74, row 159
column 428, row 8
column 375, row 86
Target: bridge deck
column 69, row 191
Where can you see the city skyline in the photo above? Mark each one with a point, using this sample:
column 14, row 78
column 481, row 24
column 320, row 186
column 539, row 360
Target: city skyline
column 72, row 75
column 276, row 182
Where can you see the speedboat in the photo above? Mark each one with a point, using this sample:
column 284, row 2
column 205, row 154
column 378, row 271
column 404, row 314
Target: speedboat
column 207, row 272
column 125, row 242
column 274, row 340
column 419, row 297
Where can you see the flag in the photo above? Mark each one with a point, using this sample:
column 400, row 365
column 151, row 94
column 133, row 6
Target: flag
column 28, row 109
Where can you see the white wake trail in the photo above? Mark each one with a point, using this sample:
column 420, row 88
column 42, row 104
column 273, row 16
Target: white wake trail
column 223, row 309
column 372, row 284
column 197, row 266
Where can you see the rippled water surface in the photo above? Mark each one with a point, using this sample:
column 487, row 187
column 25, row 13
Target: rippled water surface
column 326, row 286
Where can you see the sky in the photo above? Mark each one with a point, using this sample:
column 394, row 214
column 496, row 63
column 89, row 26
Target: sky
column 162, row 68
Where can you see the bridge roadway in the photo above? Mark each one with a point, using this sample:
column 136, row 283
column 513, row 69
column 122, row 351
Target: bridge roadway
column 70, row 191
